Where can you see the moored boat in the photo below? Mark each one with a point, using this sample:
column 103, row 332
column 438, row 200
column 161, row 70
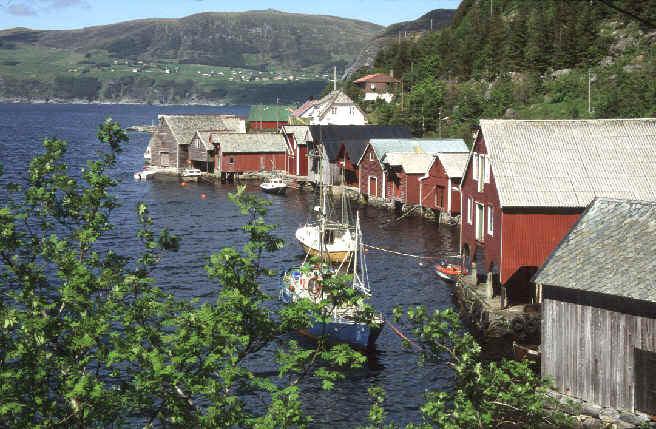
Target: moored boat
column 190, row 174
column 274, row 185
column 450, row 269
column 345, row 322
column 144, row 174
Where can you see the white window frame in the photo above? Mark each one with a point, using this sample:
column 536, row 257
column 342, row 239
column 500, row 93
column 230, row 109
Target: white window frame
column 375, row 186
column 481, row 164
column 371, row 155
column 479, row 224
column 475, row 167
column 469, row 210
column 487, row 169
column 490, row 221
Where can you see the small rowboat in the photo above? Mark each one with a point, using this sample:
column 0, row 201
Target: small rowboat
column 450, row 269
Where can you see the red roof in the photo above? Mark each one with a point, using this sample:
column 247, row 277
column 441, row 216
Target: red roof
column 377, row 77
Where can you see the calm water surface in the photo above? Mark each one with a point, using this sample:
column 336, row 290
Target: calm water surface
column 207, row 225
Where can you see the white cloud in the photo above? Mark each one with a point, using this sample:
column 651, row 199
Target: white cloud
column 36, row 7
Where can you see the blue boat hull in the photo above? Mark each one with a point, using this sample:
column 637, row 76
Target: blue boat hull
column 359, row 335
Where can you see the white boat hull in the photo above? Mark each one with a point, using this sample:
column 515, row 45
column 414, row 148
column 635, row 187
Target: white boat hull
column 338, row 251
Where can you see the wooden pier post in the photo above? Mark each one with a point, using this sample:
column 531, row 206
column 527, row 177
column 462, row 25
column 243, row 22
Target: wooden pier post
column 473, row 274
column 489, row 286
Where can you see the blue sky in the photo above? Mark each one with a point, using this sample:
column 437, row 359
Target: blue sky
column 64, row 14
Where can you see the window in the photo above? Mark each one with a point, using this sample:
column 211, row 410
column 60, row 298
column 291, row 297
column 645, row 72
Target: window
column 481, row 172
column 490, row 220
column 231, row 161
column 475, row 166
column 372, row 86
column 487, row 169
column 480, row 221
column 371, row 155
column 469, row 211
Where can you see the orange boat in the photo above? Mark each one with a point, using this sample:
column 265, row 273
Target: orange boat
column 450, row 269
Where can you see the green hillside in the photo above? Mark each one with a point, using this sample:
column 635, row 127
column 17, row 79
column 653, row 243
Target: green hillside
column 525, row 59
column 230, row 57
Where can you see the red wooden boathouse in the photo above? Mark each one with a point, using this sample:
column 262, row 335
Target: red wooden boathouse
column 297, row 138
column 251, row 152
column 381, row 167
column 527, row 183
column 439, row 188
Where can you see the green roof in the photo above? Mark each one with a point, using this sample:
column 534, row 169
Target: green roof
column 267, row 113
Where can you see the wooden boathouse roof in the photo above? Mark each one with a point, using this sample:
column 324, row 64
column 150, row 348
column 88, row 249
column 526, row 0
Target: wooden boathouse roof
column 250, row 143
column 568, row 163
column 609, row 251
column 184, row 127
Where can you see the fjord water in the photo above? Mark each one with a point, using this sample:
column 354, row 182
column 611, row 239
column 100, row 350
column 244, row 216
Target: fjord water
column 206, row 225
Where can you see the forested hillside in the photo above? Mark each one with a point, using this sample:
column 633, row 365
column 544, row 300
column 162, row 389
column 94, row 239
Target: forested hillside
column 525, row 59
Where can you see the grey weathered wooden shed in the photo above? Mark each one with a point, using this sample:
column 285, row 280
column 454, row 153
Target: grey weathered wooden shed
column 598, row 293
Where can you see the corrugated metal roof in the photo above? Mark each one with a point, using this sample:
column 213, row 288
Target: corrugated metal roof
column 570, row 162
column 269, row 113
column 431, row 146
column 454, row 163
column 610, row 250
column 354, row 137
column 184, row 127
column 412, row 163
column 300, row 132
column 250, row 142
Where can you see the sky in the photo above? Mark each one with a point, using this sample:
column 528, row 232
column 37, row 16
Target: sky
column 67, row 14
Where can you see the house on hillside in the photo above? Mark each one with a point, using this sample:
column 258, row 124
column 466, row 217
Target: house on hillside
column 381, row 171
column 247, row 153
column 527, row 183
column 599, row 307
column 439, row 188
column 378, row 86
column 169, row 144
column 268, row 117
column 336, row 108
column 338, row 147
column 297, row 138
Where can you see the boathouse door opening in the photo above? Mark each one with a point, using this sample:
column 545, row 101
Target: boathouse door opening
column 645, row 380
column 373, row 186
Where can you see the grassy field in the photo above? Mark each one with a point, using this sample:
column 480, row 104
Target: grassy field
column 22, row 63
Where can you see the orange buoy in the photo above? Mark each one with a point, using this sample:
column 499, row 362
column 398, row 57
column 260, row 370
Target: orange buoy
column 203, row 196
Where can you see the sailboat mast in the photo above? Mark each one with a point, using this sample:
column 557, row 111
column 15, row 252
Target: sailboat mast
column 357, row 245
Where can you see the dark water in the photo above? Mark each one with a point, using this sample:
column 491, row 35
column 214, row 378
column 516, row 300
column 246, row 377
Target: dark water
column 206, row 225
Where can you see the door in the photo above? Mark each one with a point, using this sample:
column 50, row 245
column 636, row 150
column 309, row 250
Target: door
column 439, row 197
column 480, row 222
column 645, row 381
column 164, row 159
column 373, row 186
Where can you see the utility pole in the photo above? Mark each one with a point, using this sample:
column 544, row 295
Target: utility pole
column 431, row 25
column 589, row 92
column 491, row 7
column 335, row 78
column 402, row 95
column 439, row 122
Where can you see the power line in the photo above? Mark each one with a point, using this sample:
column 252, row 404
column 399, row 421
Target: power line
column 611, row 5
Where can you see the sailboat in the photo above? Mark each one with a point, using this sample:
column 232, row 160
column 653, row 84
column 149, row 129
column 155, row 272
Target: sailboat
column 334, row 239
column 344, row 323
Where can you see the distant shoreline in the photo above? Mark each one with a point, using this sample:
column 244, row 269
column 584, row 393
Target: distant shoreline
column 125, row 102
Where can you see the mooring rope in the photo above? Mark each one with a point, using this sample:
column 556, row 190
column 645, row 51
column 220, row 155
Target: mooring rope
column 369, row 246
column 398, row 332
